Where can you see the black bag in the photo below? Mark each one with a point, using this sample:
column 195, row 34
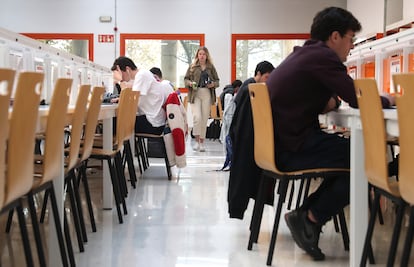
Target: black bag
column 214, row 129
column 155, row 148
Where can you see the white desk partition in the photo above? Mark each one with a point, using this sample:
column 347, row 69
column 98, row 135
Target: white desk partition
column 22, row 53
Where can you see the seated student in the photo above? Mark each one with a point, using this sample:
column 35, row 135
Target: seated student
column 158, row 76
column 303, row 86
column 112, row 97
column 151, row 116
column 229, row 91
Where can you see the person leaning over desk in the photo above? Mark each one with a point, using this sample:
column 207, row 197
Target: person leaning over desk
column 151, row 116
column 306, row 84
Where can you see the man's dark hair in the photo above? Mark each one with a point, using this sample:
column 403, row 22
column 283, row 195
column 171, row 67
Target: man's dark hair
column 333, row 19
column 123, row 62
column 156, row 71
column 263, row 67
column 236, row 83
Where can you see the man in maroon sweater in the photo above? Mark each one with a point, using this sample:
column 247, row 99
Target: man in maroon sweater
column 308, row 83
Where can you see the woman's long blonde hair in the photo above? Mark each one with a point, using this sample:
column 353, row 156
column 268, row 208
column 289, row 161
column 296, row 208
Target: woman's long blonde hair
column 209, row 61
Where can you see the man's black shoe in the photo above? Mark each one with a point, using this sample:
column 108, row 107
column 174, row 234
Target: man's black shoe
column 305, row 233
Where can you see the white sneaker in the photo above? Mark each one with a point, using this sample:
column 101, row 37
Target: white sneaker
column 196, row 147
column 202, row 148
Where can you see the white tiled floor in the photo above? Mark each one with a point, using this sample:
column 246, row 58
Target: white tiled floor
column 184, row 222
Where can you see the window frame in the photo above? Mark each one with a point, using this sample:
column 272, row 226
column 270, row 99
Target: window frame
column 277, row 36
column 123, row 37
column 66, row 36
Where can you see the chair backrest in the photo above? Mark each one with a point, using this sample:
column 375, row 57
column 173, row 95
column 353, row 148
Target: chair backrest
column 373, row 128
column 132, row 113
column 91, row 121
column 402, row 80
column 22, row 129
column 216, row 110
column 78, row 119
column 56, row 122
column 185, row 102
column 6, row 87
column 123, row 115
column 264, row 148
column 405, row 109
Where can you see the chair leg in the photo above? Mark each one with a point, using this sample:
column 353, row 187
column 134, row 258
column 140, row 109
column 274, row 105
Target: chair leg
column 408, row 240
column 283, row 184
column 143, row 154
column 371, row 257
column 396, row 234
column 145, row 150
column 307, row 189
column 121, row 180
column 58, row 226
column 121, row 174
column 44, row 206
column 370, row 230
column 116, row 190
column 138, row 154
column 24, row 234
column 75, row 215
column 36, row 230
column 9, row 220
column 336, row 224
column 130, row 161
column 380, row 217
column 257, row 213
column 292, row 192
column 68, row 240
column 344, row 229
column 78, row 204
column 84, row 178
column 300, row 192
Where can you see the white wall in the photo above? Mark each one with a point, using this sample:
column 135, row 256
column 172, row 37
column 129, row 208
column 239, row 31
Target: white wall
column 371, row 14
column 217, row 19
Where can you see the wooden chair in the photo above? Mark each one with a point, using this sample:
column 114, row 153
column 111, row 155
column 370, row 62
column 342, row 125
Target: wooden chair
column 17, row 176
column 216, row 110
column 6, row 87
column 405, row 109
column 376, row 163
column 52, row 161
column 71, row 161
column 87, row 145
column 264, row 154
column 127, row 156
column 142, row 152
column 86, row 136
column 113, row 156
column 185, row 102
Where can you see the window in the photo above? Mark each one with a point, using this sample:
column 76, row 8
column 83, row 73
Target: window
column 250, row 49
column 172, row 53
column 78, row 44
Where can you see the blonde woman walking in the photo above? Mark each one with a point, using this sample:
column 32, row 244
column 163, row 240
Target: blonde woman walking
column 201, row 79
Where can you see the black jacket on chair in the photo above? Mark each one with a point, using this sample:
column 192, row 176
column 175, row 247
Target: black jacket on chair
column 244, row 173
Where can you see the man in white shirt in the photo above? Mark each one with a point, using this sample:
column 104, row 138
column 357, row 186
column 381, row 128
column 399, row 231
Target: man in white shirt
column 151, row 116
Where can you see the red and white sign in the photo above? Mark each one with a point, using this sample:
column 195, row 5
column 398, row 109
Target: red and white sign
column 106, row 38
